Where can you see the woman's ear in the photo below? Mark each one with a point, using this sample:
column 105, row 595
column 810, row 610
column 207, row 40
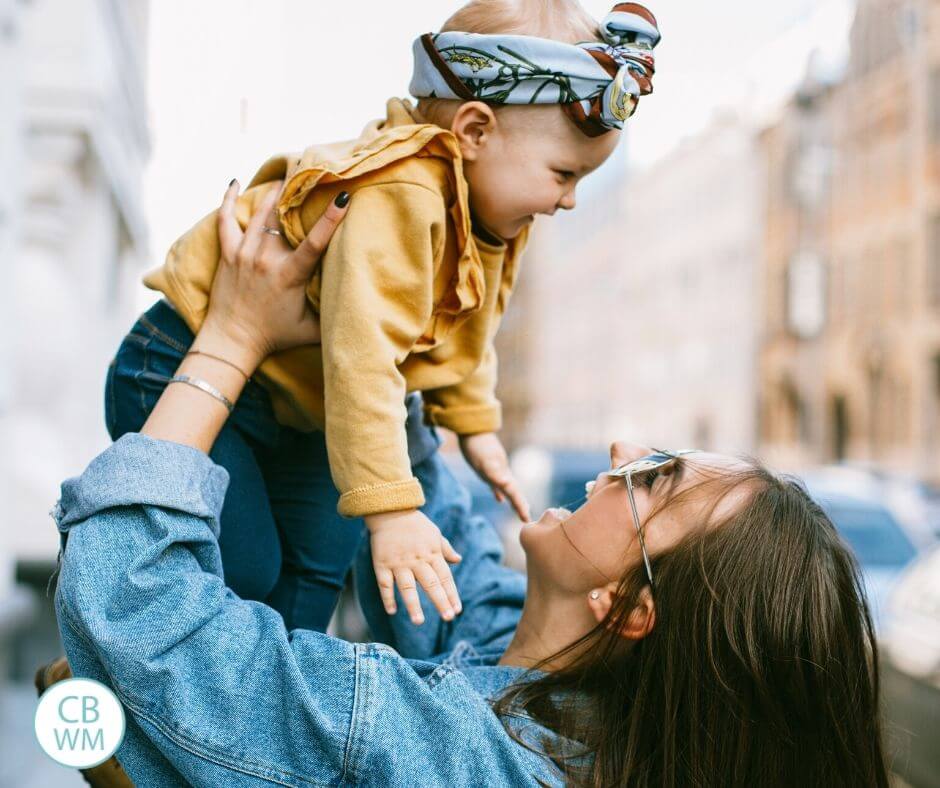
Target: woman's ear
column 473, row 125
column 640, row 621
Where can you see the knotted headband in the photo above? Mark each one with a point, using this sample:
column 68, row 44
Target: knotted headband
column 598, row 82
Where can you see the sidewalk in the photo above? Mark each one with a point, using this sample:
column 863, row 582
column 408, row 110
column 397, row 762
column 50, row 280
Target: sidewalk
column 22, row 763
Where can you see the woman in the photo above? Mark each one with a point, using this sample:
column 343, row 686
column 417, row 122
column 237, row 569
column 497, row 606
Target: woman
column 696, row 622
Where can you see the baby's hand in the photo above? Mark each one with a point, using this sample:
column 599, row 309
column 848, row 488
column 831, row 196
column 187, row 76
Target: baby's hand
column 408, row 548
column 486, row 455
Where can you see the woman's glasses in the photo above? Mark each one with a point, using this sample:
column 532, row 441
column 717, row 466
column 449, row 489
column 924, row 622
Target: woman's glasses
column 649, row 466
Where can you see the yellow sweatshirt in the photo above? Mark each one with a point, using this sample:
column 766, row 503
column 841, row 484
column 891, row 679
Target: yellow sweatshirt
column 408, row 298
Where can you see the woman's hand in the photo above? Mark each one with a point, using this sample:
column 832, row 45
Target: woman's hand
column 257, row 305
column 258, row 300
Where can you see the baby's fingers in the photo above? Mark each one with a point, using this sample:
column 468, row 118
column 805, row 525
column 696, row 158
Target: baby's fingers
column 434, row 588
column 451, row 555
column 409, row 595
column 447, row 581
column 511, row 490
column 386, row 582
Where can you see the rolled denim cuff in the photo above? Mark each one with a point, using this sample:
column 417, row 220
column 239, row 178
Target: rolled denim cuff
column 385, row 497
column 140, row 471
column 468, row 420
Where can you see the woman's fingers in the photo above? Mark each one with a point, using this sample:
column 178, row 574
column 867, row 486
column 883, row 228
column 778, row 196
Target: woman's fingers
column 433, row 585
column 447, row 582
column 253, row 233
column 307, row 255
column 386, row 583
column 271, row 220
column 409, row 594
column 230, row 234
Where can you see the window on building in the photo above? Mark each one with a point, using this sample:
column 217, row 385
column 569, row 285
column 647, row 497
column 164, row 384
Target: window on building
column 837, row 290
column 933, row 260
column 795, row 428
column 933, row 407
column 902, row 265
column 933, row 106
column 902, row 413
column 877, row 405
column 806, row 295
column 839, row 413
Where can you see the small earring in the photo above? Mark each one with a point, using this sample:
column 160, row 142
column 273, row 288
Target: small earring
column 595, row 595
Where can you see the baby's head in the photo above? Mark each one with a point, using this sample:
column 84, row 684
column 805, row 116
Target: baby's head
column 520, row 160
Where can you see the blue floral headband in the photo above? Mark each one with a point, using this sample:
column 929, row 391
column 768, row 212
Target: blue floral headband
column 599, row 82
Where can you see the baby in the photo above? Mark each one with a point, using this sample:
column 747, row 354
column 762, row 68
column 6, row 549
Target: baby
column 512, row 112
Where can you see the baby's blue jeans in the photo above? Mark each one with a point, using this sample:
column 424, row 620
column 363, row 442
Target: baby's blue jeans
column 282, row 540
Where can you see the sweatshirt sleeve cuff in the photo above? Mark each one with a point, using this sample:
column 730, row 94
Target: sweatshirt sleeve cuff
column 388, row 497
column 468, row 420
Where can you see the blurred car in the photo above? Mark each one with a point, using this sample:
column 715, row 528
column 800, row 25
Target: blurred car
column 549, row 478
column 881, row 546
column 556, row 477
column 910, row 651
column 914, row 504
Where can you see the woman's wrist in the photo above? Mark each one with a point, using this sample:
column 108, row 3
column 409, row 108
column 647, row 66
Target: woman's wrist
column 191, row 417
column 231, row 345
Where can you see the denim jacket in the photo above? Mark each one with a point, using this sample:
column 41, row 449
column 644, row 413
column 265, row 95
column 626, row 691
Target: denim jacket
column 218, row 693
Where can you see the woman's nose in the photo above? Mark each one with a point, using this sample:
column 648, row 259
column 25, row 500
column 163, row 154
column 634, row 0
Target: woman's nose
column 622, row 452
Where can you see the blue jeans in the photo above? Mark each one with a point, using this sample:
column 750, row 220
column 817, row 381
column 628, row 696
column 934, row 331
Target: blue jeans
column 282, row 540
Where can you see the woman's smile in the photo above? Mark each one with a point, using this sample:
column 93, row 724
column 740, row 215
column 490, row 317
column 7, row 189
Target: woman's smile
column 555, row 515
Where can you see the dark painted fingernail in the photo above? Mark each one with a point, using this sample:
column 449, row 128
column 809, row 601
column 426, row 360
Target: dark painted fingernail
column 342, row 200
column 231, row 182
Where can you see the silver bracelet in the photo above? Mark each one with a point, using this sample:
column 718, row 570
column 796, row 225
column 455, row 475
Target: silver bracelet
column 208, row 388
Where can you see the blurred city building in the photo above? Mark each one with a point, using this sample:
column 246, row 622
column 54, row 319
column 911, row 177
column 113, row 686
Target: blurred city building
column 73, row 143
column 850, row 360
column 553, row 340
column 777, row 290
column 636, row 316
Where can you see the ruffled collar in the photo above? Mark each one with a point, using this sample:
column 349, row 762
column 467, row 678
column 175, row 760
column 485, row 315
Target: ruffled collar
column 400, row 135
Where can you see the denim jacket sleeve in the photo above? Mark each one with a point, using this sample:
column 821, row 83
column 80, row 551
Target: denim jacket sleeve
column 216, row 689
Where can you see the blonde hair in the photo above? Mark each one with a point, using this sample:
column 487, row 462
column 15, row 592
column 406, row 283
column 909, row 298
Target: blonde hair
column 559, row 20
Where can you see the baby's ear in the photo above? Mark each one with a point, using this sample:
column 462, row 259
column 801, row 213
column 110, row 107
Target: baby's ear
column 473, row 125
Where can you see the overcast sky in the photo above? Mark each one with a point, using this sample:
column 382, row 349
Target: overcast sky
column 234, row 81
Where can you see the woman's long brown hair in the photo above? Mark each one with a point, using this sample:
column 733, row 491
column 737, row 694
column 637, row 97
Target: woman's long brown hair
column 761, row 669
